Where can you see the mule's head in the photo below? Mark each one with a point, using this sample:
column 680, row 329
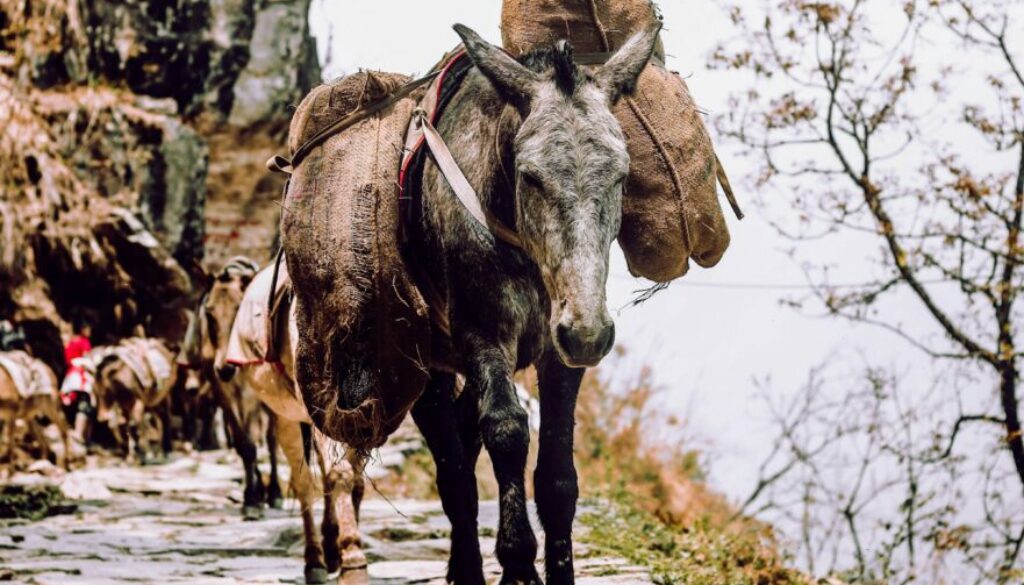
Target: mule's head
column 217, row 312
column 571, row 163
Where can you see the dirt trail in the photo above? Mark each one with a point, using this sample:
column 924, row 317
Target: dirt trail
column 180, row 522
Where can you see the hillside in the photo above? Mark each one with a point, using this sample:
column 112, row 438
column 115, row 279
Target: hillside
column 133, row 147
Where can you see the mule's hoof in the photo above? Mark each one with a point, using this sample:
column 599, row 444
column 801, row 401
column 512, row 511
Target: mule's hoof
column 316, row 575
column 331, row 559
column 353, row 559
column 530, row 578
column 358, row 576
column 277, row 503
column 470, row 575
column 251, row 513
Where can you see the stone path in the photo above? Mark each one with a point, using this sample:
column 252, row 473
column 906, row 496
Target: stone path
column 180, row 523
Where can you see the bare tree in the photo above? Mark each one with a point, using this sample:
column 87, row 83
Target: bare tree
column 862, row 476
column 903, row 123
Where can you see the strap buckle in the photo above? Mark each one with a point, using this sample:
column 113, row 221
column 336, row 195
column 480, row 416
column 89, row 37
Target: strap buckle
column 280, row 164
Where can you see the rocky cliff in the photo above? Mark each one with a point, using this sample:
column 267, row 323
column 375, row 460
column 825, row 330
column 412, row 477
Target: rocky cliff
column 133, row 136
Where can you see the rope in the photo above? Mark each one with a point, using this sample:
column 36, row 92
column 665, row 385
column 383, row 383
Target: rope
column 600, row 27
column 649, row 128
column 272, row 340
column 282, row 164
column 723, row 180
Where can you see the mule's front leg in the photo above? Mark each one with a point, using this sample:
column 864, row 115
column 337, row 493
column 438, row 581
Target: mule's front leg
column 55, row 413
column 133, row 426
column 252, row 496
column 435, row 415
column 241, row 440
column 506, row 433
column 9, row 428
column 554, row 481
column 342, row 543
column 39, row 436
column 167, row 432
column 289, row 434
column 205, row 436
column 275, row 499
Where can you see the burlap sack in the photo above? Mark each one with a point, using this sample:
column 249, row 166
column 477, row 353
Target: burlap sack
column 363, row 326
column 671, row 210
column 528, row 24
column 150, row 361
column 31, row 377
column 249, row 341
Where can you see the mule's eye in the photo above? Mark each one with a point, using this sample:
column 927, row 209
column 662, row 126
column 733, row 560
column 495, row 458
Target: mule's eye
column 531, row 181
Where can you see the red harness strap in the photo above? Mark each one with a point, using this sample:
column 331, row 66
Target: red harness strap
column 415, row 140
column 423, row 135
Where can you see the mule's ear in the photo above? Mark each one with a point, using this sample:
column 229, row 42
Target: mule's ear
column 619, row 74
column 509, row 77
column 200, row 276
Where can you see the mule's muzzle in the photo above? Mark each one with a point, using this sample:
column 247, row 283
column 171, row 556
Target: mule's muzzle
column 581, row 346
column 226, row 372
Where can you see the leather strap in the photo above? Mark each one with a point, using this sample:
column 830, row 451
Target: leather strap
column 271, row 333
column 460, row 184
column 280, row 164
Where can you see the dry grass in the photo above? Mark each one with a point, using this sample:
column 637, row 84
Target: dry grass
column 624, row 442
column 648, row 498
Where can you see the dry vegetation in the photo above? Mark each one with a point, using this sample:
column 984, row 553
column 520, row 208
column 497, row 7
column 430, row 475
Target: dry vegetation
column 647, row 499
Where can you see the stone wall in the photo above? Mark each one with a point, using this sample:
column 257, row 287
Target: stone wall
column 243, row 203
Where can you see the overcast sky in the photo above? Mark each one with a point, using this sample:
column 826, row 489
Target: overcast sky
column 713, row 332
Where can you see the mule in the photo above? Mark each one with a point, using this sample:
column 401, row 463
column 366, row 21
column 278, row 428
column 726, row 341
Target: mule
column 195, row 404
column 537, row 140
column 15, row 406
column 340, row 548
column 133, row 395
column 248, row 422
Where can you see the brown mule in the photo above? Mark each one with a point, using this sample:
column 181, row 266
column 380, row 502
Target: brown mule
column 245, row 417
column 273, row 383
column 15, row 406
column 133, row 386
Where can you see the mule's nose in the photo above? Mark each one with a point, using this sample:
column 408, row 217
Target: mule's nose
column 226, row 372
column 585, row 346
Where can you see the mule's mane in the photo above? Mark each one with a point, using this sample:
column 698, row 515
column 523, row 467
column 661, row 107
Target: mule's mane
column 558, row 57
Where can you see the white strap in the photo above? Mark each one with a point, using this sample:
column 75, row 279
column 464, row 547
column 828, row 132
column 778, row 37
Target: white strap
column 460, row 184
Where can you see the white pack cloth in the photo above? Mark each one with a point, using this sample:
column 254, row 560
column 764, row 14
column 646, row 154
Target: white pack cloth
column 31, row 376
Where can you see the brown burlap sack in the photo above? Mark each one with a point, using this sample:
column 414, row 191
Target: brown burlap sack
column 671, row 210
column 593, row 26
column 363, row 326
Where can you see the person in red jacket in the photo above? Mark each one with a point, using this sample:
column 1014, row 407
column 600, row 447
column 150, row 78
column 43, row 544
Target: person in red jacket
column 79, row 344
column 76, row 390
